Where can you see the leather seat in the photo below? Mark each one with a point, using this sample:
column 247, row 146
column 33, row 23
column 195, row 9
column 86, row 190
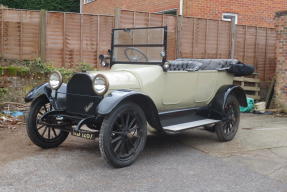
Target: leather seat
column 183, row 64
column 232, row 66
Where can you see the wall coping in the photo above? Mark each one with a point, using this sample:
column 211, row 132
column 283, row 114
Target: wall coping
column 281, row 13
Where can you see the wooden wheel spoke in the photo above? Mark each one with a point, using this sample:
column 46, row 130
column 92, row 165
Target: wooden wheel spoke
column 118, row 146
column 49, row 133
column 40, row 127
column 118, row 132
column 54, row 131
column 131, row 124
column 127, row 121
column 44, row 131
column 118, row 138
column 45, row 108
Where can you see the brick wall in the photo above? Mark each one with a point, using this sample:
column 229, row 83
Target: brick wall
column 108, row 6
column 250, row 12
column 281, row 54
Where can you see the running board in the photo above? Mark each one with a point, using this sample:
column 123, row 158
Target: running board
column 189, row 125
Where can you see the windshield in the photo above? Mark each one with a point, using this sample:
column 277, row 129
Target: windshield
column 139, row 46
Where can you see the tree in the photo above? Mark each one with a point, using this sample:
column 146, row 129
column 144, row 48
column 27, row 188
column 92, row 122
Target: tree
column 51, row 5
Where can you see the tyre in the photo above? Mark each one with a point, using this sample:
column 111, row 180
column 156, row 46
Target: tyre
column 227, row 129
column 40, row 134
column 123, row 135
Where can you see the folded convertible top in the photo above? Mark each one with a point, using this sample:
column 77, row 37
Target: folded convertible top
column 232, row 66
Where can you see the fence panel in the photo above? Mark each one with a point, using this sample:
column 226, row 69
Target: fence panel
column 11, row 34
column 19, row 34
column 55, row 36
column 77, row 38
column 142, row 19
column 30, row 45
column 204, row 38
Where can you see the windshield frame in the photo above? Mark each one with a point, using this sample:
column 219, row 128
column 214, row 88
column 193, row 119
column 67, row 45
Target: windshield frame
column 164, row 45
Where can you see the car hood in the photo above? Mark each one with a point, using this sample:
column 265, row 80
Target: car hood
column 119, row 79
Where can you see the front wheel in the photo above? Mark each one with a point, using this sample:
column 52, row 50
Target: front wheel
column 40, row 134
column 123, row 135
column 227, row 129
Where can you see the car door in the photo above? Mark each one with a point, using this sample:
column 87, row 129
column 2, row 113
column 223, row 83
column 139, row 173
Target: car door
column 206, row 86
column 184, row 89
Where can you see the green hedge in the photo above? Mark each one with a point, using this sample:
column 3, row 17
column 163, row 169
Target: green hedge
column 51, row 5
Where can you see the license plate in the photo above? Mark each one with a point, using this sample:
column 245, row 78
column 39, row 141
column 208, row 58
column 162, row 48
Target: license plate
column 89, row 136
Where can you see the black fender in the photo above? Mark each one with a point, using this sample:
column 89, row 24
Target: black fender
column 41, row 90
column 219, row 101
column 56, row 98
column 115, row 98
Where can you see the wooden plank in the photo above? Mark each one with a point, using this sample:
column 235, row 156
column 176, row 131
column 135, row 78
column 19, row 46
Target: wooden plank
column 270, row 92
column 217, row 38
column 246, row 79
column 245, row 38
column 2, row 32
column 265, row 55
column 21, row 36
column 178, row 33
column 249, row 88
column 117, row 17
column 233, row 38
column 193, row 36
column 81, row 39
column 64, row 41
column 255, row 49
column 98, row 39
column 43, row 33
column 205, row 40
column 254, row 97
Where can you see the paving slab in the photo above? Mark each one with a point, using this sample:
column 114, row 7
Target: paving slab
column 256, row 132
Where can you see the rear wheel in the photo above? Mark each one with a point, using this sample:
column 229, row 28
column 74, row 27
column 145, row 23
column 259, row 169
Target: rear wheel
column 123, row 135
column 40, row 134
column 227, row 129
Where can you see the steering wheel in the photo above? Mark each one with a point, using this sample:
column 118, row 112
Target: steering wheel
column 135, row 55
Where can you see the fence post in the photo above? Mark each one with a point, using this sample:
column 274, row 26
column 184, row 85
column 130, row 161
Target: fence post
column 178, row 34
column 117, row 17
column 43, row 32
column 233, row 38
column 2, row 31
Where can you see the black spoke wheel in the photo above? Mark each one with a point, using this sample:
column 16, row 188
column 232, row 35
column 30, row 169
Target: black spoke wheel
column 227, row 129
column 123, row 135
column 40, row 134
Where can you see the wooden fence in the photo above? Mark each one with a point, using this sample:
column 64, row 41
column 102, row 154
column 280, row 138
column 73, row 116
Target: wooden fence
column 67, row 39
column 63, row 39
column 191, row 37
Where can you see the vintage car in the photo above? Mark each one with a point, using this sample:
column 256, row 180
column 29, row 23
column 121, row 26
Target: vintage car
column 141, row 89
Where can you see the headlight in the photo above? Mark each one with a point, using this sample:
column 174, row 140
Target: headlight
column 55, row 80
column 100, row 84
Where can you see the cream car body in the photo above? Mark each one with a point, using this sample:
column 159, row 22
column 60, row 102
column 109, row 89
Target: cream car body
column 169, row 90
